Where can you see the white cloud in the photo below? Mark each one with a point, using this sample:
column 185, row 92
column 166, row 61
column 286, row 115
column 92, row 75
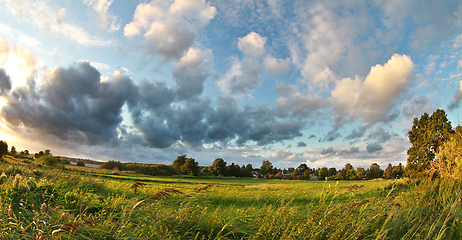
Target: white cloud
column 144, row 15
column 169, row 29
column 275, row 65
column 378, row 94
column 242, row 78
column 197, row 13
column 325, row 40
column 51, row 20
column 253, row 44
column 279, row 153
column 19, row 36
column 101, row 7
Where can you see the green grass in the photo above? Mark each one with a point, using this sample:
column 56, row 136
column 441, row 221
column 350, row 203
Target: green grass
column 85, row 203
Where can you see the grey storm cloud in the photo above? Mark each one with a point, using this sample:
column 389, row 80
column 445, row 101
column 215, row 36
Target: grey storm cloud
column 327, row 150
column 381, row 135
column 357, row 133
column 301, row 144
column 455, row 103
column 332, row 135
column 373, row 147
column 5, row 82
column 258, row 124
column 74, row 105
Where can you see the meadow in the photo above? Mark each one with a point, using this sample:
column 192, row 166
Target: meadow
column 72, row 202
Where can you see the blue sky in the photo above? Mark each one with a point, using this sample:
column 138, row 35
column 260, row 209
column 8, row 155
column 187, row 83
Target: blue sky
column 315, row 82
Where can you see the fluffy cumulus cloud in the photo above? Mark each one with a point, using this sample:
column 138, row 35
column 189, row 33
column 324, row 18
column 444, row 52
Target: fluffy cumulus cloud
column 253, row 44
column 457, row 98
column 169, row 29
column 191, row 71
column 374, row 97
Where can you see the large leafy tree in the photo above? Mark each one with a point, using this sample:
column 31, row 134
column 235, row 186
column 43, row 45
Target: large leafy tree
column 186, row 165
column 233, row 170
column 426, row 135
column 374, row 171
column 266, row 167
column 449, row 157
column 323, row 173
column 218, row 167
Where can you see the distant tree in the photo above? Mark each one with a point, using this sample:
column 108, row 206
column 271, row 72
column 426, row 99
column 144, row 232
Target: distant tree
column 426, row 135
column 190, row 167
column 266, row 167
column 398, row 171
column 295, row 173
column 332, row 172
column 323, row 173
column 389, row 171
column 3, row 148
column 26, row 152
column 278, row 175
column 302, row 168
column 347, row 173
column 374, row 171
column 233, row 170
column 360, row 172
column 307, row 174
column 218, row 167
column 39, row 154
column 47, row 152
column 205, row 170
column 13, row 151
column 249, row 167
column 179, row 162
column 186, row 165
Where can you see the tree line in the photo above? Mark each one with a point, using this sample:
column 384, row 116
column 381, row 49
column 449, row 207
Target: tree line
column 436, row 151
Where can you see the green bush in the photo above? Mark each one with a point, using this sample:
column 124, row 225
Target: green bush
column 80, row 164
column 48, row 160
column 112, row 164
column 64, row 161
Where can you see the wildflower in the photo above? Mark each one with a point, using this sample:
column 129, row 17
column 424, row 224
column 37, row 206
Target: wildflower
column 43, row 207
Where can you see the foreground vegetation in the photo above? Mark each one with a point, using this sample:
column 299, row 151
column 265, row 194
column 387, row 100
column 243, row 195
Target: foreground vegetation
column 74, row 202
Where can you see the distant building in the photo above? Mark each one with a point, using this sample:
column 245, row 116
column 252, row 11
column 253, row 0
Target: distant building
column 255, row 174
column 313, row 177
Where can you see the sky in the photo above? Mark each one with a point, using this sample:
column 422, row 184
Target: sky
column 318, row 82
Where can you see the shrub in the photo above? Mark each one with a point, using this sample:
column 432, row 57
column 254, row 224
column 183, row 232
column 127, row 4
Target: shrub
column 80, row 164
column 48, row 160
column 112, row 165
column 64, row 161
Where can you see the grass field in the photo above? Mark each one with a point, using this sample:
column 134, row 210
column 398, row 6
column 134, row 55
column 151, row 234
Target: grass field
column 84, row 203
